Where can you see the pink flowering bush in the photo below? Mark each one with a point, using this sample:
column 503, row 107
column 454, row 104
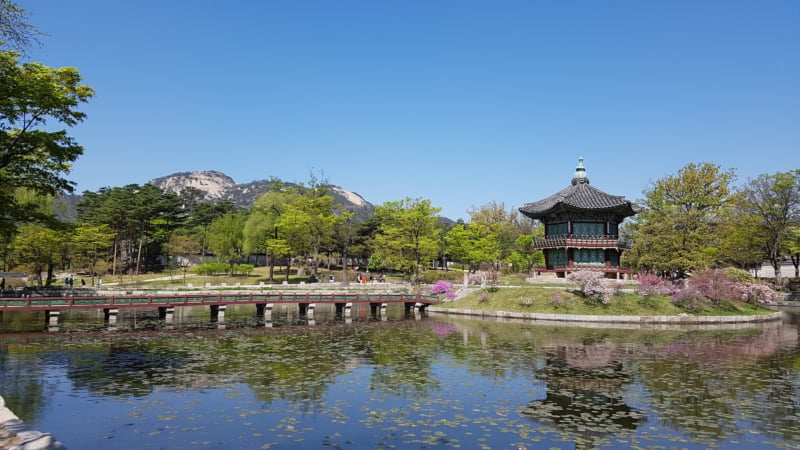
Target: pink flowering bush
column 559, row 301
column 445, row 288
column 592, row 284
column 758, row 293
column 712, row 287
column 651, row 284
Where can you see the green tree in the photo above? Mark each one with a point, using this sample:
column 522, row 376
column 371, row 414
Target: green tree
column 34, row 154
column 775, row 201
column 344, row 231
column 741, row 240
column 467, row 243
column 40, row 248
column 407, row 235
column 793, row 248
column 180, row 248
column 492, row 219
column 226, row 237
column 201, row 216
column 675, row 234
column 91, row 244
column 261, row 230
column 525, row 257
column 142, row 218
column 15, row 30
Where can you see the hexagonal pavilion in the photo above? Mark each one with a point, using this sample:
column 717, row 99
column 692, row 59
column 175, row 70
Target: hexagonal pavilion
column 581, row 228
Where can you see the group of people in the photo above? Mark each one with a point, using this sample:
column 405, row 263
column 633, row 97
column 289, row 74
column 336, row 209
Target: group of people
column 363, row 278
column 69, row 282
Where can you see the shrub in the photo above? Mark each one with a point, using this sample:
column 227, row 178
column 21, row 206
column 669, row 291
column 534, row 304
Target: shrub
column 592, row 284
column 758, row 294
column 650, row 284
column 243, row 269
column 483, row 298
column 525, row 301
column 712, row 287
column 559, row 301
column 211, row 268
column 445, row 288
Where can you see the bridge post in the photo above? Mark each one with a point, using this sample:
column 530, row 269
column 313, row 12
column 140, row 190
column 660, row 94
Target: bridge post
column 218, row 313
column 166, row 313
column 310, row 311
column 373, row 310
column 384, row 316
column 419, row 310
column 348, row 310
column 52, row 318
column 110, row 315
column 268, row 315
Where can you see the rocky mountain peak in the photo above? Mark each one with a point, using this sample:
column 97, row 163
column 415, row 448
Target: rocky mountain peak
column 215, row 184
column 219, row 186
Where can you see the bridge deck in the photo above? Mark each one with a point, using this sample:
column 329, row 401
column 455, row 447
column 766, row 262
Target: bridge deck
column 201, row 299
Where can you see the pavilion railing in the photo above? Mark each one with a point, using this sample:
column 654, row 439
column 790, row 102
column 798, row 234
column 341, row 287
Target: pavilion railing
column 582, row 241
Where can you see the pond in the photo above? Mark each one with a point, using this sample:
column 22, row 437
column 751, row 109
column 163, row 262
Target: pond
column 402, row 383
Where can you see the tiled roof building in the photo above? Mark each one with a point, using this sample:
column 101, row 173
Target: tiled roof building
column 581, row 228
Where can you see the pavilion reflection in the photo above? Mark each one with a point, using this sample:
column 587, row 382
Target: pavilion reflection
column 584, row 396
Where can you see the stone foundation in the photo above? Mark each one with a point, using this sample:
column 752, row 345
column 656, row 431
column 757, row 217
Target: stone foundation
column 13, row 436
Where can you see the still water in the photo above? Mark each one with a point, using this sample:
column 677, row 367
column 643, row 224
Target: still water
column 404, row 383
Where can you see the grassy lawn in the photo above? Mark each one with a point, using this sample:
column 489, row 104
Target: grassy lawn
column 515, row 296
column 561, row 301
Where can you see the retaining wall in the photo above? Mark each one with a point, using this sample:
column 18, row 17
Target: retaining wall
column 13, row 436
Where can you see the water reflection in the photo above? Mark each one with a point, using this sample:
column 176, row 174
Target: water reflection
column 585, row 403
column 407, row 383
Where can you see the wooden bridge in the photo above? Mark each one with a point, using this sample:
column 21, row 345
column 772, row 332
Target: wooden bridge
column 217, row 303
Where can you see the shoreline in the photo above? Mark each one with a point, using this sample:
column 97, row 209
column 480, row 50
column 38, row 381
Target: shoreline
column 14, row 435
column 682, row 319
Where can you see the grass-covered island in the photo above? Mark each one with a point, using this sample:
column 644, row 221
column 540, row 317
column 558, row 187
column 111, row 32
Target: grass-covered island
column 706, row 293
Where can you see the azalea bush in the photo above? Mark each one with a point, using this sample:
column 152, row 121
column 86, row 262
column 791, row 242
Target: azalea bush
column 712, row 287
column 592, row 284
column 443, row 288
column 559, row 301
column 650, row 284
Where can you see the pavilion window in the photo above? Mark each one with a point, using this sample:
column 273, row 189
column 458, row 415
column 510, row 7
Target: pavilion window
column 613, row 229
column 557, row 257
column 557, row 229
column 588, row 229
column 589, row 257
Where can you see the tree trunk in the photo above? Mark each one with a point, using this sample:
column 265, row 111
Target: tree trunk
column 139, row 252
column 114, row 260
column 271, row 268
column 796, row 264
column 776, row 266
column 344, row 268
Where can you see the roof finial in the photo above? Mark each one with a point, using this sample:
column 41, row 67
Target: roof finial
column 580, row 173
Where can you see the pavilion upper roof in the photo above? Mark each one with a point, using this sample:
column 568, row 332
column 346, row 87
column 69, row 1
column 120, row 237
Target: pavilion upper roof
column 580, row 196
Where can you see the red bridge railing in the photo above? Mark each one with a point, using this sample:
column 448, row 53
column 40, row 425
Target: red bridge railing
column 200, row 299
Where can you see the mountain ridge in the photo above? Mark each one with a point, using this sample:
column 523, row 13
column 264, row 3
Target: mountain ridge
column 218, row 186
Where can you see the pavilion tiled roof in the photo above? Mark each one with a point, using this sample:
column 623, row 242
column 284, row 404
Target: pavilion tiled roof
column 580, row 196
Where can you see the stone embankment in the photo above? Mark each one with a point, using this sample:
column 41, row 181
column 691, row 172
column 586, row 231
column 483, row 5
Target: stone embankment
column 13, row 436
column 681, row 319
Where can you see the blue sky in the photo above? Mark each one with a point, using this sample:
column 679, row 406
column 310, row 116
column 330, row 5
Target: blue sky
column 460, row 102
